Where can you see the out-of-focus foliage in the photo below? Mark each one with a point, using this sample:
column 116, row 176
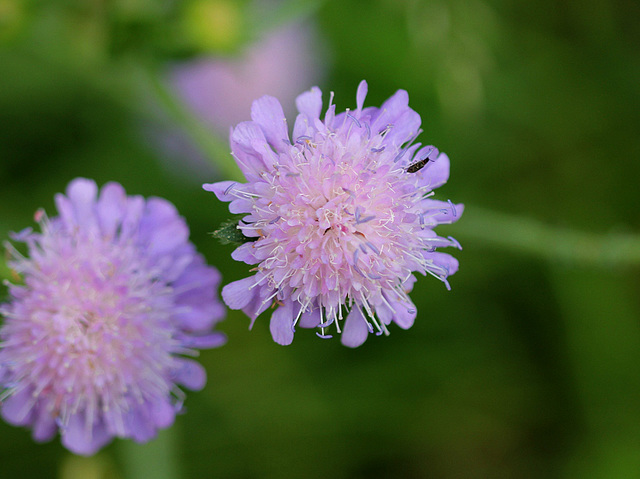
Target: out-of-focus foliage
column 528, row 368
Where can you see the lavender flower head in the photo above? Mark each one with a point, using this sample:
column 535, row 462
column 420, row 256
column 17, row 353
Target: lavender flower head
column 113, row 295
column 338, row 219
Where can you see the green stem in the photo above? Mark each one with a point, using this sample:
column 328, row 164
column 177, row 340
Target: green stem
column 501, row 230
column 202, row 135
column 157, row 458
column 547, row 242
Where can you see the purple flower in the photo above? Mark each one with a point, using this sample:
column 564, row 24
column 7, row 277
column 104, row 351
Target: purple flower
column 113, row 295
column 219, row 90
column 339, row 217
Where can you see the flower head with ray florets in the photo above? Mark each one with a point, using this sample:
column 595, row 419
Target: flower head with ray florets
column 337, row 220
column 113, row 293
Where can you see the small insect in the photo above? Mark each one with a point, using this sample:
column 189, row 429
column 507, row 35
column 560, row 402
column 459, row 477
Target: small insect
column 432, row 154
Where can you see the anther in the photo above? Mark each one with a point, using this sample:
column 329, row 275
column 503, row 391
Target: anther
column 355, row 120
column 455, row 242
column 453, row 208
column 372, row 247
column 229, row 188
column 327, row 324
column 355, row 263
column 386, row 130
column 324, row 336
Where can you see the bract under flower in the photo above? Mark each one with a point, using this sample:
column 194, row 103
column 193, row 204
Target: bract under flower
column 342, row 215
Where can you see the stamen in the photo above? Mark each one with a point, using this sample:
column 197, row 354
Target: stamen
column 355, row 263
column 229, row 188
column 324, row 336
column 360, row 220
column 302, row 310
column 379, row 325
column 453, row 208
column 275, row 220
column 386, row 130
column 373, row 247
column 61, row 423
column 399, row 155
column 412, row 139
column 355, row 120
column 365, row 219
column 455, row 242
column 327, row 324
column 268, row 299
column 349, row 192
column 368, row 128
column 323, row 156
column 377, row 150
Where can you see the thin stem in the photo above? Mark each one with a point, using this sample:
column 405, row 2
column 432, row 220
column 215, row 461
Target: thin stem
column 551, row 243
column 203, row 136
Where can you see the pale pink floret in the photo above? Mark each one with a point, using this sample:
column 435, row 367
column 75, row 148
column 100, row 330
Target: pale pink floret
column 113, row 295
column 342, row 215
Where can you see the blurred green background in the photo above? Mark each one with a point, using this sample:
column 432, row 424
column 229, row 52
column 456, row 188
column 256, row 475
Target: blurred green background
column 528, row 368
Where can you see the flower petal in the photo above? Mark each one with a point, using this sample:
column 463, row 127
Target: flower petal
column 310, row 318
column 110, row 207
column 190, row 374
column 82, row 441
column 437, row 173
column 245, row 253
column 18, row 408
column 44, row 427
column 244, row 138
column 223, row 189
column 361, row 95
column 309, row 103
column 79, row 203
column 281, row 324
column 355, row 329
column 238, row 294
column 267, row 113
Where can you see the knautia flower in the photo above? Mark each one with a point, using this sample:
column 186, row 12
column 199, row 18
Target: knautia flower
column 338, row 219
column 112, row 294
